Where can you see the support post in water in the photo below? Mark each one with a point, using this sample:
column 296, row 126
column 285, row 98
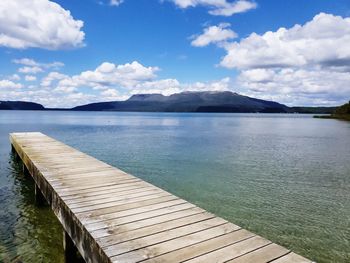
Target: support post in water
column 14, row 153
column 25, row 170
column 13, row 150
column 39, row 197
column 71, row 253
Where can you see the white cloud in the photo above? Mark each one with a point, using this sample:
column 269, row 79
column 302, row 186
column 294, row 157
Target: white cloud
column 221, row 85
column 323, row 41
column 52, row 76
column 39, row 24
column 112, row 95
column 297, row 86
column 30, row 66
column 65, row 89
column 108, row 82
column 213, row 34
column 111, row 75
column 8, row 84
column 32, row 63
column 26, row 62
column 30, row 78
column 116, row 2
column 171, row 86
column 219, row 7
column 304, row 65
column 14, row 77
column 30, row 70
column 132, row 78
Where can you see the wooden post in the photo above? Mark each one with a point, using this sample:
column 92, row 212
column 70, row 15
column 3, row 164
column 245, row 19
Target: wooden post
column 13, row 150
column 14, row 153
column 25, row 170
column 39, row 197
column 71, row 253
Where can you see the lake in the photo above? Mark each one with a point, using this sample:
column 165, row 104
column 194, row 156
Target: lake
column 285, row 177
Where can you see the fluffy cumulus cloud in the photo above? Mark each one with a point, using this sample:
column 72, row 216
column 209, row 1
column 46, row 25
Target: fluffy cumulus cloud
column 39, row 24
column 213, row 34
column 323, row 41
column 108, row 82
column 219, row 7
column 30, row 78
column 306, row 64
column 30, row 70
column 111, row 75
column 8, row 84
column 171, row 86
column 297, row 86
column 30, row 66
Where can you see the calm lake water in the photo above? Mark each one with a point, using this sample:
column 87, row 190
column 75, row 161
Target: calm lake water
column 285, row 177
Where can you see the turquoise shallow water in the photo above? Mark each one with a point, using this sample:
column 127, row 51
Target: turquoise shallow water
column 285, row 177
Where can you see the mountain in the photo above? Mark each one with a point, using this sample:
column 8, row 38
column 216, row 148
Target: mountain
column 225, row 101
column 206, row 101
column 20, row 105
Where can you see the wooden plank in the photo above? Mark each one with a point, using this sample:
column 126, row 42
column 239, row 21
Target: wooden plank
column 95, row 186
column 57, row 173
column 173, row 244
column 166, row 202
column 262, row 255
column 233, row 251
column 68, row 176
column 67, row 193
column 105, row 197
column 124, row 207
column 105, row 192
column 160, row 228
column 204, row 247
column 62, row 184
column 113, row 216
column 124, row 202
column 104, row 231
column 291, row 258
column 161, row 237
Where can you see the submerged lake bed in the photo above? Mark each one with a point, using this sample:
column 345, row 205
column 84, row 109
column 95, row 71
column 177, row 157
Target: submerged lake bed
column 285, row 177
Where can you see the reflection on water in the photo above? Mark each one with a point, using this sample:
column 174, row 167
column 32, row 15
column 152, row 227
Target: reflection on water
column 27, row 233
column 285, row 177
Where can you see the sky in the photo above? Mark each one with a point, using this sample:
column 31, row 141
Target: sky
column 65, row 53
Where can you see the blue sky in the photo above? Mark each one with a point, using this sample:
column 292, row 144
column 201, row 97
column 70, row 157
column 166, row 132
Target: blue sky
column 109, row 51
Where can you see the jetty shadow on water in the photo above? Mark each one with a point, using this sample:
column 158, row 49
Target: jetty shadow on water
column 28, row 232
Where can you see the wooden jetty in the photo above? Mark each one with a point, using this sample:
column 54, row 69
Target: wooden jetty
column 111, row 216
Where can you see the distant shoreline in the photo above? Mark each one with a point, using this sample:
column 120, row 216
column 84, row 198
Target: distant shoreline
column 325, row 116
column 343, row 117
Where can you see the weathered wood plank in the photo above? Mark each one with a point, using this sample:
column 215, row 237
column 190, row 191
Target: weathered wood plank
column 155, row 231
column 104, row 231
column 118, row 196
column 124, row 207
column 233, row 251
column 204, row 247
column 104, row 193
column 262, row 255
column 291, row 257
column 172, row 244
column 125, row 202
